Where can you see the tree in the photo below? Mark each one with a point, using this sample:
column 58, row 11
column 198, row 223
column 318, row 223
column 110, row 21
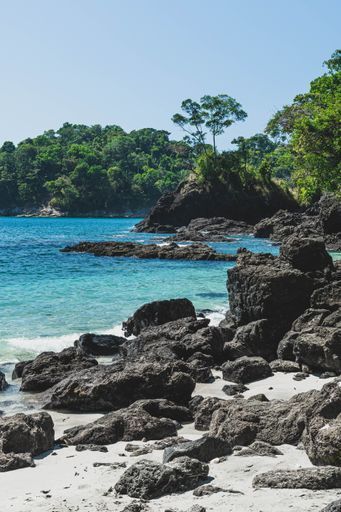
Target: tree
column 214, row 113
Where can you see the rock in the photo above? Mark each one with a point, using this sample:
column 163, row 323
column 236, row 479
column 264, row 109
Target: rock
column 19, row 368
column 136, row 506
column 11, row 461
column 230, row 200
column 203, row 449
column 216, row 229
column 168, row 441
column 195, row 251
column 99, row 344
column 334, row 506
column 253, row 339
column 327, row 297
column 308, row 478
column 91, row 447
column 280, row 365
column 158, row 313
column 260, row 397
column 207, row 490
column 204, row 410
column 260, row 449
column 49, row 368
column 246, row 369
column 148, row 479
column 277, row 422
column 265, row 287
column 306, row 254
column 319, row 349
column 3, row 382
column 330, row 214
column 145, row 419
column 21, row 433
column 234, row 389
column 112, row 387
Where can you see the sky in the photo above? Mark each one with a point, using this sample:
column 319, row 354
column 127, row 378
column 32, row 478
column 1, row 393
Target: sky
column 132, row 62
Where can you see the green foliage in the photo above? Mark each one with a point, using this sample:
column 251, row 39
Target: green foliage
column 83, row 168
column 312, row 129
column 214, row 113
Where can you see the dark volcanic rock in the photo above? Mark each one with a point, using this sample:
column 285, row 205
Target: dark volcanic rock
column 216, row 199
column 281, row 365
column 149, row 419
column 158, row 313
column 49, row 368
column 309, row 478
column 23, row 433
column 260, row 449
column 335, row 506
column 19, row 368
column 11, row 461
column 112, row 387
column 306, row 254
column 204, row 410
column 216, row 229
column 99, row 344
column 330, row 214
column 3, row 382
column 196, row 251
column 234, row 389
column 246, row 369
column 203, row 449
column 147, row 479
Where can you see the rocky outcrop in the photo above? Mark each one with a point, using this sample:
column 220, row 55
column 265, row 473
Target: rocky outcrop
column 307, row 478
column 172, row 251
column 323, row 220
column 335, row 506
column 145, row 419
column 306, row 254
column 49, row 368
column 148, row 479
column 112, row 387
column 230, row 199
column 21, row 433
column 99, row 344
column 204, row 449
column 158, row 313
column 216, row 229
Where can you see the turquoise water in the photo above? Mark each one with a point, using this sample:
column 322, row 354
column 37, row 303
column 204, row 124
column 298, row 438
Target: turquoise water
column 48, row 298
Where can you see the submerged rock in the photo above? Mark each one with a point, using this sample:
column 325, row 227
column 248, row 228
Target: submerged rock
column 195, row 251
column 158, row 313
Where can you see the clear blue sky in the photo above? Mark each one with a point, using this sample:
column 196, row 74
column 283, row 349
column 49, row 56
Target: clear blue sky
column 132, row 62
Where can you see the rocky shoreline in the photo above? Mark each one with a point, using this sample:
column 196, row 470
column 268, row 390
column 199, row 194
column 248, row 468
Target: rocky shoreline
column 153, row 386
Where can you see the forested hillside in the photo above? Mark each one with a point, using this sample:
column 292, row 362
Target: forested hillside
column 80, row 169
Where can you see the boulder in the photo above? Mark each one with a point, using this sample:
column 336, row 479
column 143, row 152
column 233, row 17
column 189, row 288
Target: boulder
column 3, row 382
column 334, row 506
column 145, row 419
column 308, row 478
column 330, row 213
column 112, row 387
column 21, row 433
column 11, row 461
column 148, row 479
column 19, row 368
column 204, row 410
column 234, row 389
column 253, row 339
column 158, row 313
column 246, row 369
column 203, row 449
column 259, row 449
column 306, row 254
column 281, row 365
column 99, row 344
column 49, row 368
column 319, row 349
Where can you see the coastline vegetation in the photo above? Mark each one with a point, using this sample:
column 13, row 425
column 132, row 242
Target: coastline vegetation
column 82, row 168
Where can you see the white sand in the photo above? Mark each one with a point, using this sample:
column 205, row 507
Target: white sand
column 71, row 483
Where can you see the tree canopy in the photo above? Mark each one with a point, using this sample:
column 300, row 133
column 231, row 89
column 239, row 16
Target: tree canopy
column 84, row 168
